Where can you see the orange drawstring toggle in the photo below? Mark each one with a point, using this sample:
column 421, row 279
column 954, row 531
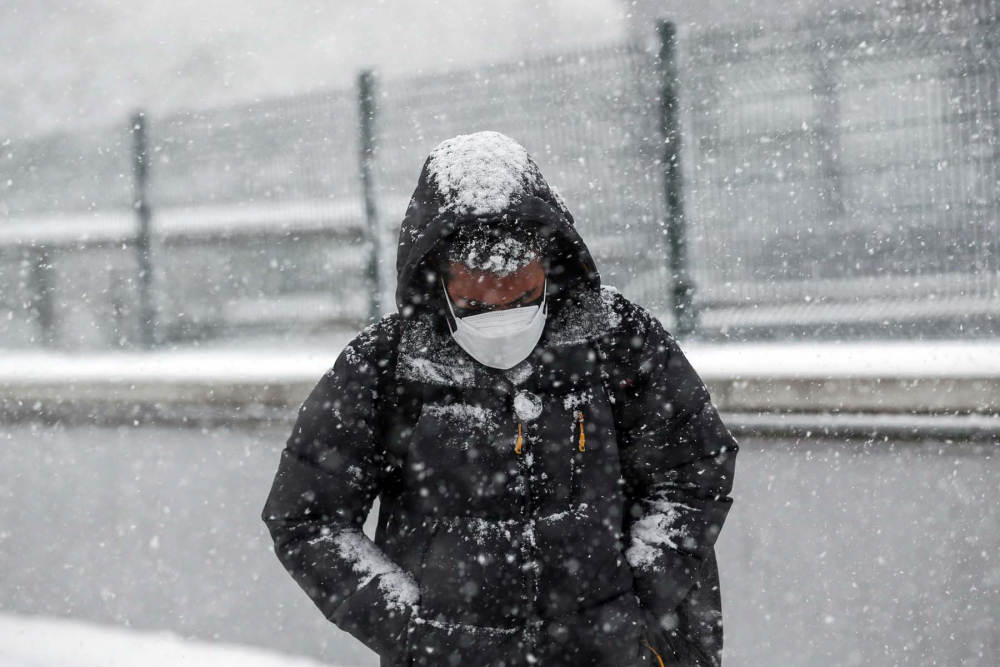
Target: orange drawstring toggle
column 658, row 658
column 520, row 440
column 583, row 438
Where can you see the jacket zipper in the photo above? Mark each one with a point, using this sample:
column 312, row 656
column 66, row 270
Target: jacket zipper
column 525, row 462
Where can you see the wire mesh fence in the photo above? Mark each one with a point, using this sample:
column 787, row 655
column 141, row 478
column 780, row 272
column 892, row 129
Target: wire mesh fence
column 835, row 177
column 848, row 176
column 258, row 209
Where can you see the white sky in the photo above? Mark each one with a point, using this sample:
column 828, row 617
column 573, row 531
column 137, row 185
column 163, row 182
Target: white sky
column 67, row 63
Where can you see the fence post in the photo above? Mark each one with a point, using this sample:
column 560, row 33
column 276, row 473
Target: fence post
column 140, row 173
column 827, row 131
column 682, row 290
column 40, row 278
column 366, row 108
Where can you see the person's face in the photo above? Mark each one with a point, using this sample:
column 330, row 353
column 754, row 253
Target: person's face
column 473, row 290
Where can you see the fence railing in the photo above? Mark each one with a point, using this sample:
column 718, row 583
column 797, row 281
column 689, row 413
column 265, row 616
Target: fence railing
column 763, row 182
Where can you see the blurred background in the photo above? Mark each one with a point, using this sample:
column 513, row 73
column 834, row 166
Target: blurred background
column 198, row 208
column 838, row 163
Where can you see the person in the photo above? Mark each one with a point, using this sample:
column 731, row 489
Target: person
column 552, row 473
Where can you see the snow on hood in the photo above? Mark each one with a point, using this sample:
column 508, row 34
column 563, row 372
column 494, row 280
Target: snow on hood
column 484, row 173
column 485, row 177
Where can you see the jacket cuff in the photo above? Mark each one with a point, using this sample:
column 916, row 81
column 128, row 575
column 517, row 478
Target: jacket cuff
column 663, row 586
column 377, row 619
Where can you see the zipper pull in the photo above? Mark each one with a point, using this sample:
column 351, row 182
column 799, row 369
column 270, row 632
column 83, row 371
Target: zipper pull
column 583, row 438
column 520, row 440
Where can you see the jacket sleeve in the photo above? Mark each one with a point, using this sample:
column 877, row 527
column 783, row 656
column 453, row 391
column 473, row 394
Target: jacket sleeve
column 696, row 639
column 330, row 471
column 678, row 461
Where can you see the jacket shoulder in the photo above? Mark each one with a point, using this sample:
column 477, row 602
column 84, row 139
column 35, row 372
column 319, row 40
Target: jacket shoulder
column 629, row 322
column 373, row 346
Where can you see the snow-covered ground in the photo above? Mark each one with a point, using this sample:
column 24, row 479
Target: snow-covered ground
column 834, row 554
column 910, row 359
column 39, row 641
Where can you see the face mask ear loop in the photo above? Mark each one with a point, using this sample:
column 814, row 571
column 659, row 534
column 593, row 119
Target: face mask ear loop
column 447, row 300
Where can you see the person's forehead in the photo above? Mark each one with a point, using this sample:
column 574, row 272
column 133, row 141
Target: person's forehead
column 460, row 269
column 470, row 281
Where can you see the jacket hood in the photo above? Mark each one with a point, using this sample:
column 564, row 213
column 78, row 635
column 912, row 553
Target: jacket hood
column 485, row 177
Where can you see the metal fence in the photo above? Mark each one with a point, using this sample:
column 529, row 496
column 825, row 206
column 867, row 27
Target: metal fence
column 847, row 176
column 835, row 179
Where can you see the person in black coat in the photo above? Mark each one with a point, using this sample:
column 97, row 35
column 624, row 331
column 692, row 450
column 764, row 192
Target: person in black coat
column 552, row 473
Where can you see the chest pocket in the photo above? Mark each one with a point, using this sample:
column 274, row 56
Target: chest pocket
column 573, row 441
column 581, row 445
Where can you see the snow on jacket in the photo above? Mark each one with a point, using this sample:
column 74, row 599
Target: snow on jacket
column 547, row 514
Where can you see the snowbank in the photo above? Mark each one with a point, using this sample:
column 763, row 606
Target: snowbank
column 840, row 359
column 187, row 365
column 918, row 359
column 35, row 641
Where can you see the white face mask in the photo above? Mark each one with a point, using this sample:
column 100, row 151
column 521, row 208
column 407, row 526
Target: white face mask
column 501, row 338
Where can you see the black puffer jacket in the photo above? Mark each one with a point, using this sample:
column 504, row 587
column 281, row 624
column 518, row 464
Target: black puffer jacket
column 548, row 514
